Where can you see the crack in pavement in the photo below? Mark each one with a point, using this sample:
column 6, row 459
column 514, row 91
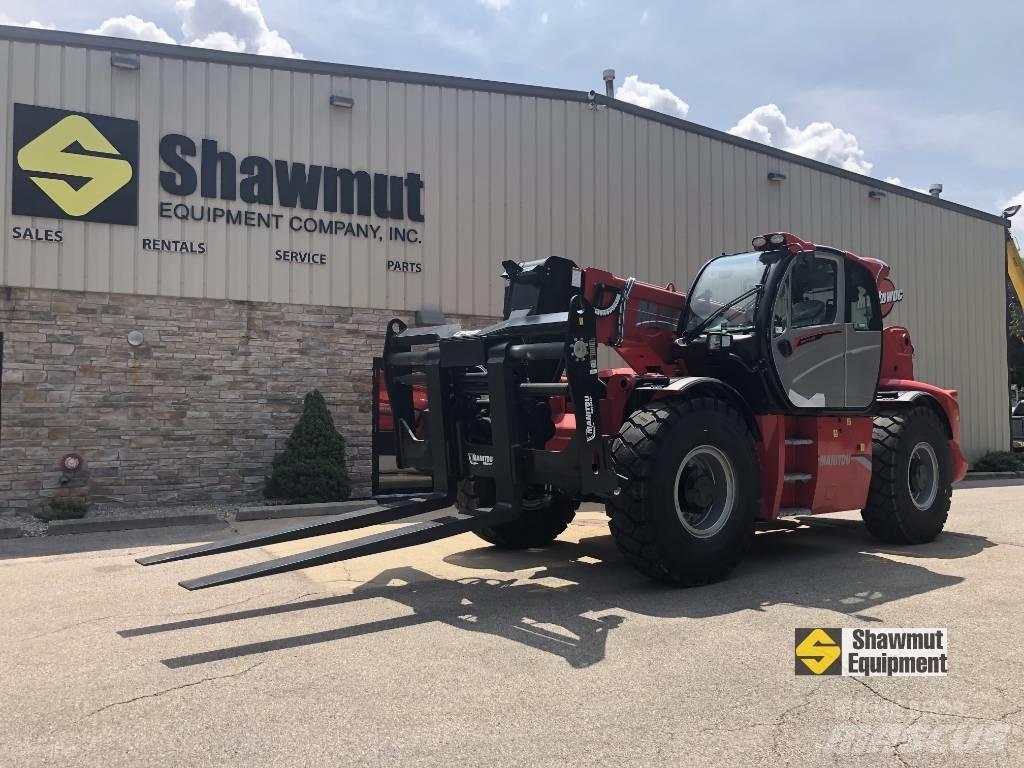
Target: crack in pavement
column 781, row 720
column 748, row 727
column 156, row 694
column 906, row 740
column 883, row 697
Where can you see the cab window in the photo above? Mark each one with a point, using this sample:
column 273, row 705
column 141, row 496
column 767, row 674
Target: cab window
column 780, row 313
column 813, row 286
column 862, row 309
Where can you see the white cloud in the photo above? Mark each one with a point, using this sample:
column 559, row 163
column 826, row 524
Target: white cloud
column 133, row 28
column 226, row 25
column 231, row 25
column 645, row 16
column 32, row 24
column 220, row 41
column 496, row 5
column 819, row 141
column 544, row 17
column 1017, row 199
column 899, row 183
column 651, row 96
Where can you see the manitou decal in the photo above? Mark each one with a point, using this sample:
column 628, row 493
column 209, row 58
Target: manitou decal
column 588, row 415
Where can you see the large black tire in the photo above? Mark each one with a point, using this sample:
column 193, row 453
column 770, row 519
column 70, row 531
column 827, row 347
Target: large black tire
column 545, row 515
column 909, row 498
column 666, row 452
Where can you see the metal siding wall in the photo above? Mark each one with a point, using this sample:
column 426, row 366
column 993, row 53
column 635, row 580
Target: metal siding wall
column 506, row 176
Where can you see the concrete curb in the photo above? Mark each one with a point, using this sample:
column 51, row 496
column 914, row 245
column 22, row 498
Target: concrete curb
column 100, row 525
column 302, row 510
column 993, row 476
column 10, row 533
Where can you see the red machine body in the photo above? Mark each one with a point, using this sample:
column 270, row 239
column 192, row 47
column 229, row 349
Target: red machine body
column 833, row 453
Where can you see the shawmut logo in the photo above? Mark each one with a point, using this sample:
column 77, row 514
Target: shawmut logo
column 74, row 165
column 817, row 651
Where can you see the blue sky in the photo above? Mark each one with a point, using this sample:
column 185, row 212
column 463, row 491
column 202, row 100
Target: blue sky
column 909, row 90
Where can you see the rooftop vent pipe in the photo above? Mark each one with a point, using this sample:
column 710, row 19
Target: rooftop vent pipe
column 609, row 83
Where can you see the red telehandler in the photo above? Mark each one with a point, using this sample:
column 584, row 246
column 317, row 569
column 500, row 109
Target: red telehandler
column 771, row 389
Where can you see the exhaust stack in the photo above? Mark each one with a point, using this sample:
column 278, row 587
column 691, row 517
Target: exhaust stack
column 609, row 83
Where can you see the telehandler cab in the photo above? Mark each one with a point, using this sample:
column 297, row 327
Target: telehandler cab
column 771, row 389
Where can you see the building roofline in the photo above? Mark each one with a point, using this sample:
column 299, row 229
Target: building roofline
column 81, row 40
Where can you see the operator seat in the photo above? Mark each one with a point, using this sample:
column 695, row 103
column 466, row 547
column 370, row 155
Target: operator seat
column 808, row 312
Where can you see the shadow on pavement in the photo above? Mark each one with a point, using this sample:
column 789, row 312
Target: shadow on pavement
column 47, row 546
column 576, row 594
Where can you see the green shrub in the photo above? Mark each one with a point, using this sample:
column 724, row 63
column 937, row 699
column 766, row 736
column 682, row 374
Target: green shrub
column 64, row 508
column 312, row 466
column 1000, row 461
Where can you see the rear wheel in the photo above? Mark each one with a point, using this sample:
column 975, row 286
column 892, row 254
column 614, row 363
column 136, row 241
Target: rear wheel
column 910, row 477
column 685, row 512
column 546, row 514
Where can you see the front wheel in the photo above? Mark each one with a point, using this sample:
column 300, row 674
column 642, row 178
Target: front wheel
column 690, row 491
column 546, row 514
column 911, row 482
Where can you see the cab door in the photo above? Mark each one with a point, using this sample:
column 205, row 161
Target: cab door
column 863, row 336
column 808, row 332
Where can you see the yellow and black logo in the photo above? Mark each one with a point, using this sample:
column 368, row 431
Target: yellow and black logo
column 74, row 165
column 818, row 651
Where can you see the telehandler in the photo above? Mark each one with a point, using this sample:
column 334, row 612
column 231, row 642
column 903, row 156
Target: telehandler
column 770, row 389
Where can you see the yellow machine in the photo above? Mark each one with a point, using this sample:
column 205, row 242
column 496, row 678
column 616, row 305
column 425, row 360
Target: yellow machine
column 1015, row 267
column 1015, row 271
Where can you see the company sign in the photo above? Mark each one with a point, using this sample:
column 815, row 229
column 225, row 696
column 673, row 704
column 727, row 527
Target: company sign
column 85, row 167
column 259, row 180
column 74, row 165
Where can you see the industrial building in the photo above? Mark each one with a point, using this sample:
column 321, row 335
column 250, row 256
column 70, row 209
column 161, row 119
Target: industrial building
column 194, row 239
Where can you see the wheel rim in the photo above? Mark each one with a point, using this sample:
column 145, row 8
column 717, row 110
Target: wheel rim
column 705, row 491
column 923, row 476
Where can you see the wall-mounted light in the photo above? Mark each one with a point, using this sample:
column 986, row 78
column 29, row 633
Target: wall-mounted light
column 135, row 338
column 345, row 102
column 776, row 176
column 124, row 60
column 1010, row 212
column 71, row 462
column 876, row 194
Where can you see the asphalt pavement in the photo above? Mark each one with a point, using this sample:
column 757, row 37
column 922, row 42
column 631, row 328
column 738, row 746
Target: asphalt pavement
column 457, row 653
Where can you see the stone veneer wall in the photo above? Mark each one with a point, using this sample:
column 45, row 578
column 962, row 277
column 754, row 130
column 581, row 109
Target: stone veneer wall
column 195, row 414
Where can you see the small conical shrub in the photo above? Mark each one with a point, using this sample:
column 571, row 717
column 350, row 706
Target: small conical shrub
column 312, row 466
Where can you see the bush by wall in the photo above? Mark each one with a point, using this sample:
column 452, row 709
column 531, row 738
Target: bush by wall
column 1000, row 461
column 312, row 466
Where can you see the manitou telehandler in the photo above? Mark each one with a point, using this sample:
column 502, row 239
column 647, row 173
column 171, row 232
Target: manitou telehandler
column 770, row 390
